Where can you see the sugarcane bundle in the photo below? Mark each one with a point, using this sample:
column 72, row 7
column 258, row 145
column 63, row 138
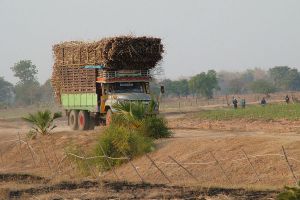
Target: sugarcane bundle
column 124, row 52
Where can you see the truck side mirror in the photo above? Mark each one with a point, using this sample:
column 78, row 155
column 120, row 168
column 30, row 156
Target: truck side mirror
column 162, row 89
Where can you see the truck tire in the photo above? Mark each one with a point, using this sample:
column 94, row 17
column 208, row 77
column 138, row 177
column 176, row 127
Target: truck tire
column 73, row 119
column 108, row 117
column 83, row 120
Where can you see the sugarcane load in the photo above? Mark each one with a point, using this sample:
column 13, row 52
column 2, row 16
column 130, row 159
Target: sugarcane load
column 90, row 77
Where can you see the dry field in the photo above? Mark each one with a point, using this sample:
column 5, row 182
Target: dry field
column 212, row 158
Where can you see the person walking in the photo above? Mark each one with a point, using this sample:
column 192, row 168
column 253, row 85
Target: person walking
column 263, row 101
column 243, row 103
column 235, row 103
column 287, row 99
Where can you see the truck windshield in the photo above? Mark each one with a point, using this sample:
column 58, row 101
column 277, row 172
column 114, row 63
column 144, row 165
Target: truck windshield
column 126, row 88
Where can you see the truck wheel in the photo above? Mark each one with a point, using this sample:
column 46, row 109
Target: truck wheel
column 108, row 117
column 83, row 120
column 73, row 119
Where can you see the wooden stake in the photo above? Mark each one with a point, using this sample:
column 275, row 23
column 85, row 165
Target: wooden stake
column 289, row 165
column 152, row 161
column 63, row 55
column 220, row 166
column 20, row 147
column 31, row 153
column 46, row 158
column 135, row 169
column 45, row 154
column 53, row 149
column 185, row 169
column 257, row 176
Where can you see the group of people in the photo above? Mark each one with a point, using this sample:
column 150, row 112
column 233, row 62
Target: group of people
column 263, row 102
column 235, row 103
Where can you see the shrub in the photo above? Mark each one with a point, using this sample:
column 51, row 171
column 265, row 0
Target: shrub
column 118, row 141
column 155, row 127
column 42, row 122
column 130, row 134
column 138, row 116
column 290, row 193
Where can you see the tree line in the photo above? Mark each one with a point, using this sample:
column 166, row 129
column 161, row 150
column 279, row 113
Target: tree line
column 28, row 90
column 279, row 78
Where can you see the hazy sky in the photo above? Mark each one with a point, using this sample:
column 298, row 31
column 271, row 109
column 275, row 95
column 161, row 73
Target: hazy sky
column 198, row 34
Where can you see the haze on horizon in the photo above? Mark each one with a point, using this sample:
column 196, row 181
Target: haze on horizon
column 198, row 34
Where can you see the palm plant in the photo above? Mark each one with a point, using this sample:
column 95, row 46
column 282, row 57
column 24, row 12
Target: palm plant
column 136, row 115
column 42, row 122
column 130, row 114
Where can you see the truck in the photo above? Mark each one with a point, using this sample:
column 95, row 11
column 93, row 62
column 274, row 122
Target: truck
column 87, row 109
column 88, row 88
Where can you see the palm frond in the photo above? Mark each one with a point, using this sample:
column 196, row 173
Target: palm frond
column 131, row 112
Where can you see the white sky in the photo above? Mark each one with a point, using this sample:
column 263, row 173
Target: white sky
column 198, row 34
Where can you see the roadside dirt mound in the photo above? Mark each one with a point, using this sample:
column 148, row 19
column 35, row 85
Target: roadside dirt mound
column 217, row 158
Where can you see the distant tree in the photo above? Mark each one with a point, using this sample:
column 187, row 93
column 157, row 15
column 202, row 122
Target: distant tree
column 279, row 76
column 6, row 91
column 248, row 76
column 27, row 88
column 175, row 88
column 234, row 82
column 285, row 78
column 45, row 92
column 169, row 87
column 262, row 86
column 293, row 79
column 181, row 87
column 259, row 74
column 236, row 86
column 204, row 84
column 27, row 93
column 25, row 71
